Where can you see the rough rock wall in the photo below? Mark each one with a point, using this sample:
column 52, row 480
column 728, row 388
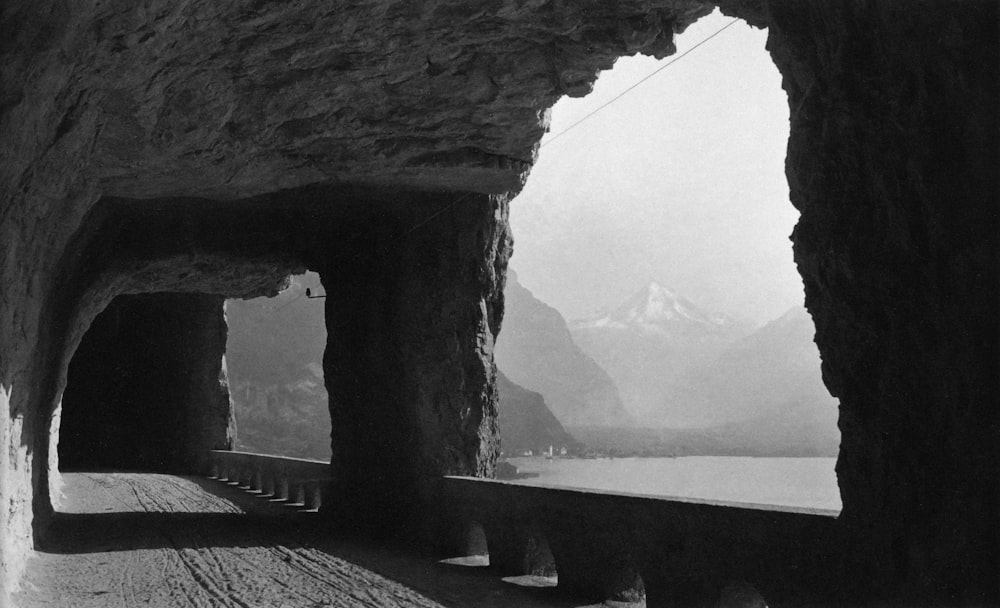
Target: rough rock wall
column 893, row 163
column 146, row 388
column 238, row 98
column 409, row 359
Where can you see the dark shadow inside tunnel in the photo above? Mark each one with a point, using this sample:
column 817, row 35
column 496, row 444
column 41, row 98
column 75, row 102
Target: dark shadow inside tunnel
column 145, row 389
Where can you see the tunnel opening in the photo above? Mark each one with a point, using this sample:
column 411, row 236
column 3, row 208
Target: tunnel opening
column 274, row 359
column 146, row 387
column 666, row 318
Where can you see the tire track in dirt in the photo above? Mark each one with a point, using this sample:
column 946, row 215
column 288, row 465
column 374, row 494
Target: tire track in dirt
column 166, row 494
column 164, row 541
column 312, row 577
column 146, row 490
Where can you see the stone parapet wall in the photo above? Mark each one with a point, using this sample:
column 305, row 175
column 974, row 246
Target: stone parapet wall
column 673, row 552
column 294, row 480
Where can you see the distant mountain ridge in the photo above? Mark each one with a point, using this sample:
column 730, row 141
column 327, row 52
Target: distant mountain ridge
column 535, row 350
column 704, row 383
column 649, row 342
column 772, row 377
column 756, row 394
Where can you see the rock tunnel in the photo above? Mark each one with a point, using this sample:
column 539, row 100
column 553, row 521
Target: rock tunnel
column 146, row 388
column 157, row 158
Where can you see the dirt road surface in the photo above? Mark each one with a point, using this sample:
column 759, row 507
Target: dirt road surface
column 126, row 540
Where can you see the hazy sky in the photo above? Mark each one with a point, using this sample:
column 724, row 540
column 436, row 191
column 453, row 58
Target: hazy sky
column 681, row 181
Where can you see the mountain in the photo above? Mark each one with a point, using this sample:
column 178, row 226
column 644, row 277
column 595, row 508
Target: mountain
column 535, row 350
column 526, row 423
column 771, row 382
column 649, row 344
column 661, row 310
column 762, row 396
column 274, row 358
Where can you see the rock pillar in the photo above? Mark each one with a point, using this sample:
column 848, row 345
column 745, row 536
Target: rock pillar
column 892, row 161
column 146, row 388
column 412, row 310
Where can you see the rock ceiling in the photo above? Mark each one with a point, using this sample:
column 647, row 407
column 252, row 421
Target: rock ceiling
column 233, row 99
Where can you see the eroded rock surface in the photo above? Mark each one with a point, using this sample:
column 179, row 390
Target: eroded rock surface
column 408, row 363
column 892, row 162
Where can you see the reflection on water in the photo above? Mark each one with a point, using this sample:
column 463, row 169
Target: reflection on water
column 793, row 482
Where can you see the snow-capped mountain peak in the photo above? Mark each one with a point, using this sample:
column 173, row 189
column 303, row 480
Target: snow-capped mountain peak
column 656, row 308
column 656, row 304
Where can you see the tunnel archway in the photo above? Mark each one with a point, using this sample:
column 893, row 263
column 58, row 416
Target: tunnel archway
column 674, row 276
column 146, row 388
column 390, row 261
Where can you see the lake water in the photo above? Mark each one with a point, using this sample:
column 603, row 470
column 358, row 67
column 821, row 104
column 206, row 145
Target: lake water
column 793, row 482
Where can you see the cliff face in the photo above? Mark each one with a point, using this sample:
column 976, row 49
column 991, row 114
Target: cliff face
column 536, row 350
column 274, row 356
column 892, row 162
column 526, row 422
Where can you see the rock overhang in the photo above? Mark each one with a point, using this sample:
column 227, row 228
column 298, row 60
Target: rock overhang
column 237, row 99
column 241, row 248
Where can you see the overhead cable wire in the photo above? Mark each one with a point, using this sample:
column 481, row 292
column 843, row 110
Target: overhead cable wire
column 601, row 107
column 628, row 90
